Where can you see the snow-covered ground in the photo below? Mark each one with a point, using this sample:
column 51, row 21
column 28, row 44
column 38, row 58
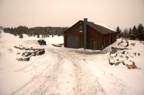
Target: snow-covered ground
column 65, row 71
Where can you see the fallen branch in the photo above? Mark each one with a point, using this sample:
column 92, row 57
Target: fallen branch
column 120, row 48
column 23, row 48
column 59, row 45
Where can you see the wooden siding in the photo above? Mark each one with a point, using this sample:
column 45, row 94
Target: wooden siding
column 75, row 31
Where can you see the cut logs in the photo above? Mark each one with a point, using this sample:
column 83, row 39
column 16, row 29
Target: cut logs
column 132, row 66
column 23, row 59
column 39, row 52
column 121, row 54
column 29, row 52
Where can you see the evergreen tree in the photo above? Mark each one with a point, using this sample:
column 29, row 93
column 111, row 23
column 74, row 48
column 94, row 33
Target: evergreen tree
column 126, row 33
column 118, row 30
column 20, row 36
column 130, row 32
column 38, row 36
column 140, row 31
column 134, row 34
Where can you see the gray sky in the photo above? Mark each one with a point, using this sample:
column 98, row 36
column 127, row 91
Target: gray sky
column 123, row 13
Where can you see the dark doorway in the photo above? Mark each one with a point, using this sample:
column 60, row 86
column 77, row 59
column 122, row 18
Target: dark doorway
column 94, row 45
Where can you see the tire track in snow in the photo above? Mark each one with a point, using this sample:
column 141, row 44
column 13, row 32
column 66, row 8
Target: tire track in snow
column 66, row 79
column 49, row 84
column 85, row 83
column 67, row 75
column 33, row 64
column 41, row 83
column 115, row 86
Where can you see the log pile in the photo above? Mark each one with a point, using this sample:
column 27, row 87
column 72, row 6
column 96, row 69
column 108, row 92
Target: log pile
column 121, row 55
column 29, row 52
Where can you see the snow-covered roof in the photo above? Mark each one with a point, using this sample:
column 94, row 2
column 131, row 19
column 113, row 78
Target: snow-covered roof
column 101, row 28
column 106, row 26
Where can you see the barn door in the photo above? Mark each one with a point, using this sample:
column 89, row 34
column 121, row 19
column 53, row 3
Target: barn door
column 94, row 45
column 73, row 41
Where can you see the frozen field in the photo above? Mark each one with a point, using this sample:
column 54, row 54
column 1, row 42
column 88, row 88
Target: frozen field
column 65, row 71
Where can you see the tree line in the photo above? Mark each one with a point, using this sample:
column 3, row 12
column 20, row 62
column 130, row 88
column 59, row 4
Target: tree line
column 134, row 33
column 35, row 31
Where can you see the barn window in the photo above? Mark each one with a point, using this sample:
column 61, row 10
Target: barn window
column 80, row 29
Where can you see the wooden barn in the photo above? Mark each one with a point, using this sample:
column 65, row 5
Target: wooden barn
column 85, row 34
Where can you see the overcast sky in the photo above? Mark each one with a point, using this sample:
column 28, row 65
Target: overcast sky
column 123, row 13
